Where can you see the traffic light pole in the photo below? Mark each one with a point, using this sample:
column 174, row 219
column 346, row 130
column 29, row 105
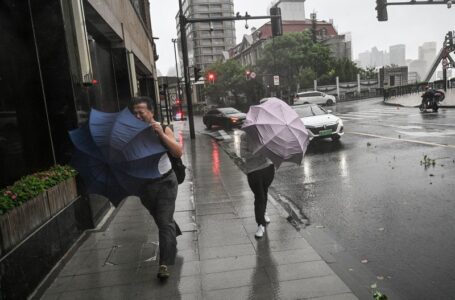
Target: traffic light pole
column 381, row 6
column 414, row 2
column 184, row 43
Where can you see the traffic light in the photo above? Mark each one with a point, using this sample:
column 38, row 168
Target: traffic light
column 449, row 39
column 197, row 73
column 381, row 7
column 277, row 25
column 211, row 77
column 247, row 74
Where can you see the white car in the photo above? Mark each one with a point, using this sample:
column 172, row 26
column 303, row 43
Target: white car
column 314, row 97
column 320, row 123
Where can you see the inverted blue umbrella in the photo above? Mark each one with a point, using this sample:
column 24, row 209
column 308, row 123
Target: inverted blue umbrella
column 116, row 153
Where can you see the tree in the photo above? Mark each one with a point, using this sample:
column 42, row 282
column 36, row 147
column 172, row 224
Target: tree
column 231, row 82
column 294, row 56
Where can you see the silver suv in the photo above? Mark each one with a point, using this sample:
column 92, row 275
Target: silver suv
column 314, row 97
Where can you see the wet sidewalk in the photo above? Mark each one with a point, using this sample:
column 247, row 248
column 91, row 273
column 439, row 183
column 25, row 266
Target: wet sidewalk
column 414, row 100
column 218, row 257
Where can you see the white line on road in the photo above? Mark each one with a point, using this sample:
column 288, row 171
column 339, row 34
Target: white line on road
column 403, row 140
column 349, row 118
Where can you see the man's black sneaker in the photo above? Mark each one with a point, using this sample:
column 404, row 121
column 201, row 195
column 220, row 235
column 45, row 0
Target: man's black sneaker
column 163, row 272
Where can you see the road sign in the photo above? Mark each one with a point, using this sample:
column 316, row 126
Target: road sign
column 252, row 75
column 276, row 80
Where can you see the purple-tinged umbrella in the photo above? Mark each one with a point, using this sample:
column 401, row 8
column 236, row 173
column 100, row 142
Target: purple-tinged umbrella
column 116, row 153
column 275, row 130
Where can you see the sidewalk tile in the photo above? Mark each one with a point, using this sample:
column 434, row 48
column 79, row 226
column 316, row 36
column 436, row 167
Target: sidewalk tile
column 311, row 287
column 226, row 251
column 346, row 296
column 229, row 264
column 237, row 278
column 298, row 271
column 254, row 292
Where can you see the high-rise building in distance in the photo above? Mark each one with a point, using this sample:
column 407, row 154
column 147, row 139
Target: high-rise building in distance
column 398, row 55
column 207, row 41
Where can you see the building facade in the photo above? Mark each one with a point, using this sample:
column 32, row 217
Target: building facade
column 249, row 51
column 207, row 41
column 393, row 76
column 59, row 59
column 398, row 55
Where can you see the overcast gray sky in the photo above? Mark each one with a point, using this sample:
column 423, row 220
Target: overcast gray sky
column 409, row 25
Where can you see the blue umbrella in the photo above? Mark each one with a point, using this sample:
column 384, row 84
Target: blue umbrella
column 116, row 153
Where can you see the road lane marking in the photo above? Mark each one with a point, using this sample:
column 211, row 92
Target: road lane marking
column 349, row 118
column 403, row 140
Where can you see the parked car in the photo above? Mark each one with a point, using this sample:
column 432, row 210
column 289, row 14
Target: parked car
column 314, row 97
column 226, row 117
column 320, row 122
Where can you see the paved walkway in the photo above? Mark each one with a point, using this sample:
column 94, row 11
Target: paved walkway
column 218, row 257
column 414, row 100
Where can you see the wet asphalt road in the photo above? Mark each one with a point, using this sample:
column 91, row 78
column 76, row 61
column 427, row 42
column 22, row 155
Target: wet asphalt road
column 369, row 199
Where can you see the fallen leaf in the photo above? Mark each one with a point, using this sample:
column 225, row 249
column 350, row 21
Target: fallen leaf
column 374, row 286
column 368, row 144
column 319, row 226
column 381, row 229
column 351, row 269
column 431, row 175
column 364, row 261
column 380, row 277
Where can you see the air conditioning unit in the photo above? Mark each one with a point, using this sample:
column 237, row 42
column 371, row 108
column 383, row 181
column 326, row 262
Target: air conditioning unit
column 82, row 43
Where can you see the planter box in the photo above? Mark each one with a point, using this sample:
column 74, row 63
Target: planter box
column 16, row 224
column 20, row 222
column 61, row 195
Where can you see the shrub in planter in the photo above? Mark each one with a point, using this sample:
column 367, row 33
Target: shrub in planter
column 31, row 201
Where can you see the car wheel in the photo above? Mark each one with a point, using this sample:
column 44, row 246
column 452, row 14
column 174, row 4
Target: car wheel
column 329, row 102
column 336, row 137
column 306, row 102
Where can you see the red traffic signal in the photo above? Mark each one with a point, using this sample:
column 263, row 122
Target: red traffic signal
column 211, row 77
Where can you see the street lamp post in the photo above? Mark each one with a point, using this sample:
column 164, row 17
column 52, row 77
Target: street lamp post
column 179, row 91
column 183, row 41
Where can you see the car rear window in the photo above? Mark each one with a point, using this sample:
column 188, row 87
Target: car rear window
column 229, row 111
column 310, row 111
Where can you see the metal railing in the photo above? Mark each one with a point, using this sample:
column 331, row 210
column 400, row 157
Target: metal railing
column 416, row 88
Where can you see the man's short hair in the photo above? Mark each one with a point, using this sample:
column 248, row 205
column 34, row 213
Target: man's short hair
column 142, row 99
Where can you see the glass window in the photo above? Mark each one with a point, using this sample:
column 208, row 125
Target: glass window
column 229, row 111
column 310, row 111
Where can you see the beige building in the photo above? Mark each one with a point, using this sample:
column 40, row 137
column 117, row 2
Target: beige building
column 207, row 41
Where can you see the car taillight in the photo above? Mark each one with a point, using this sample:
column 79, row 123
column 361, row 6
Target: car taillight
column 233, row 119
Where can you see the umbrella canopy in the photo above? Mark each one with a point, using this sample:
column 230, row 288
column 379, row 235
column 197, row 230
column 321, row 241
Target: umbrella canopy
column 116, row 153
column 275, row 130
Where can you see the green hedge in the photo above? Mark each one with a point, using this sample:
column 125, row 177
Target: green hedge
column 31, row 186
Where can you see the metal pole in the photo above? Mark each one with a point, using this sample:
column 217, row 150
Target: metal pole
column 358, row 84
column 167, row 100
column 183, row 41
column 338, row 86
column 179, row 90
